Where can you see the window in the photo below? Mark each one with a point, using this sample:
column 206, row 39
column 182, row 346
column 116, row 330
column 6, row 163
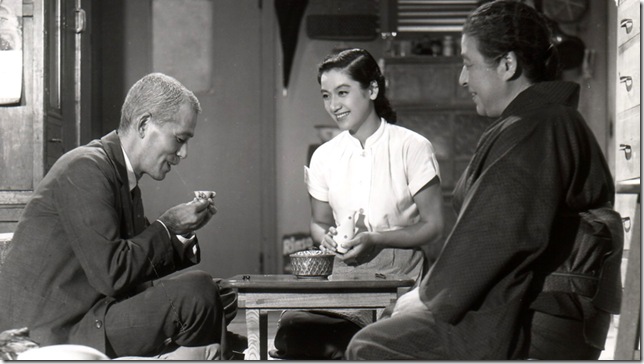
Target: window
column 413, row 18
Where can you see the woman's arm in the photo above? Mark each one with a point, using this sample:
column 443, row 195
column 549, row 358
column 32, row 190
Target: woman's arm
column 429, row 199
column 321, row 220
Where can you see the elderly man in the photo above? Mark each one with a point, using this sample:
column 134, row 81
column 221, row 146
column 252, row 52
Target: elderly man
column 86, row 267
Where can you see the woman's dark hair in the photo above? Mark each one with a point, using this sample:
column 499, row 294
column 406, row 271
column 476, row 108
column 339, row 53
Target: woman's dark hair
column 362, row 68
column 503, row 26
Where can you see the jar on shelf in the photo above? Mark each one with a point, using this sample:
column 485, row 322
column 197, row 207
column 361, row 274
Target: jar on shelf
column 448, row 46
column 436, row 47
column 404, row 48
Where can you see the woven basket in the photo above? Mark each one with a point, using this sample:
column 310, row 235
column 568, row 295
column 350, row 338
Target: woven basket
column 312, row 264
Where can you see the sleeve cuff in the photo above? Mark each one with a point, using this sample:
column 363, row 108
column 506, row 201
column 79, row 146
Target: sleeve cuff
column 186, row 237
column 166, row 229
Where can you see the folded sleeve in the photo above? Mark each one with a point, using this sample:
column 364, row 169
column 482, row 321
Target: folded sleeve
column 421, row 162
column 315, row 178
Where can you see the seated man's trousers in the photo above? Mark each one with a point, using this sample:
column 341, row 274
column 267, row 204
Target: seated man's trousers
column 187, row 309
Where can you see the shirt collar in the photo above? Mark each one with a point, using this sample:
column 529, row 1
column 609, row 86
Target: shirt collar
column 131, row 177
column 373, row 138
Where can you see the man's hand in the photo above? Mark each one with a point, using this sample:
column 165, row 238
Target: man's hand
column 188, row 217
column 408, row 302
column 207, row 195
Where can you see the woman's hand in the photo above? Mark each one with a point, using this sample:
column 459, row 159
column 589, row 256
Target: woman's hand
column 327, row 243
column 362, row 249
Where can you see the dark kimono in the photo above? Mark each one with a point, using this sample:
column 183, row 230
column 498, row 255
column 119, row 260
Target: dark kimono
column 536, row 173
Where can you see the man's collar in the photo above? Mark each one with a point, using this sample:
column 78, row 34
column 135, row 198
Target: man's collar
column 131, row 177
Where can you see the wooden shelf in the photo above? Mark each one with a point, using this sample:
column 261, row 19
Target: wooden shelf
column 420, row 59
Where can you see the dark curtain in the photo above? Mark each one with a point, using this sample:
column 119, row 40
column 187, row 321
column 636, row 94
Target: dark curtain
column 289, row 17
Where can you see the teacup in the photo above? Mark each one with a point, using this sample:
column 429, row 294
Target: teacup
column 346, row 230
column 208, row 196
column 205, row 194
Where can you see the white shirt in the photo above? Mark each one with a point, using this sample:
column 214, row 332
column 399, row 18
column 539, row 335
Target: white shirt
column 131, row 176
column 380, row 180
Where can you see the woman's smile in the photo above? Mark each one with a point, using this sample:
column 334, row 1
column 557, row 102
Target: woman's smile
column 341, row 116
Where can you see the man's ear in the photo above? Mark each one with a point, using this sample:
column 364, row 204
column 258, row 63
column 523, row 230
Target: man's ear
column 142, row 123
column 373, row 90
column 508, row 66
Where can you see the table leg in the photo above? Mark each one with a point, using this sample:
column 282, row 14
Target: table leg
column 377, row 313
column 254, row 334
column 263, row 335
column 402, row 290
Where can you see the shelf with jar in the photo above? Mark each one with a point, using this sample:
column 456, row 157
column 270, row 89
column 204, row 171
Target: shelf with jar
column 435, row 46
column 427, row 82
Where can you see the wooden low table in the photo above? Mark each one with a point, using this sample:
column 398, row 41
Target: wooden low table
column 259, row 294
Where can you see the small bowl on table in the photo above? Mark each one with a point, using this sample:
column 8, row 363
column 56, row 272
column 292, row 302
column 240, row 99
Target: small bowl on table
column 312, row 264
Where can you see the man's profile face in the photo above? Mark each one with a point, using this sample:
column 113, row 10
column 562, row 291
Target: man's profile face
column 166, row 143
column 481, row 79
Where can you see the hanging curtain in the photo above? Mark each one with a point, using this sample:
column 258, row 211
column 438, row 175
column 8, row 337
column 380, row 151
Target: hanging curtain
column 289, row 16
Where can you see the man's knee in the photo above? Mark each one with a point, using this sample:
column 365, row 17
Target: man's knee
column 195, row 295
column 396, row 338
column 228, row 297
column 205, row 292
column 360, row 346
column 198, row 286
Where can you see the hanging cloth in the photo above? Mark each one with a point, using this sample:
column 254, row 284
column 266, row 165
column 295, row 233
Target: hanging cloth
column 289, row 16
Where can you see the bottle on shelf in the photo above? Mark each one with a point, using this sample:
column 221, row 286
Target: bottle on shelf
column 448, row 46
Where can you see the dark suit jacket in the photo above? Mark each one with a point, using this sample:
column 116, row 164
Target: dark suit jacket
column 75, row 250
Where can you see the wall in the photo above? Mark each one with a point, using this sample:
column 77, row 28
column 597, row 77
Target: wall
column 225, row 153
column 594, row 100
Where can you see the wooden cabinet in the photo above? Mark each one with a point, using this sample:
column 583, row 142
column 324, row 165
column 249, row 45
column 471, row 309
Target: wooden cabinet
column 425, row 93
column 627, row 174
column 46, row 122
column 21, row 125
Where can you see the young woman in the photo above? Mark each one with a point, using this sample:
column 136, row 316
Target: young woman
column 385, row 177
column 531, row 267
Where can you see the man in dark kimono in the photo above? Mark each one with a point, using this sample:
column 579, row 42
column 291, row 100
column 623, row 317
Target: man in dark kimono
column 531, row 267
column 86, row 267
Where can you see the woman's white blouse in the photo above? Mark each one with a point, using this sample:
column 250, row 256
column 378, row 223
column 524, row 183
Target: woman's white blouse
column 379, row 181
